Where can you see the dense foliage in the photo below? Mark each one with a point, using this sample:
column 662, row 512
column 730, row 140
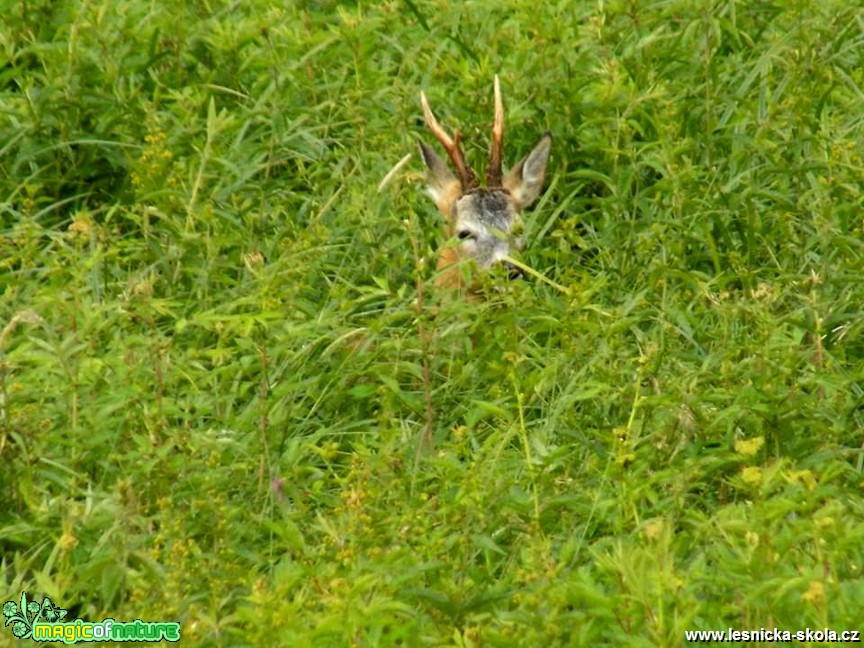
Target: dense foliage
column 230, row 397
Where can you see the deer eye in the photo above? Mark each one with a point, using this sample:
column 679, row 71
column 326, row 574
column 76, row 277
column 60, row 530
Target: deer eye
column 465, row 234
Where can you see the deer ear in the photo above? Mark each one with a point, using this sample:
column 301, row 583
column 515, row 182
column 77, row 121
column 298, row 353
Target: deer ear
column 444, row 187
column 525, row 180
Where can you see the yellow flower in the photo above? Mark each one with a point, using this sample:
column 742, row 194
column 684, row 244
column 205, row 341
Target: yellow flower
column 81, row 226
column 749, row 447
column 806, row 477
column 654, row 529
column 815, row 594
column 751, row 475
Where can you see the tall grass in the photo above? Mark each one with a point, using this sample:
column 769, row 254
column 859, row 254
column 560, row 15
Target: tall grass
column 223, row 403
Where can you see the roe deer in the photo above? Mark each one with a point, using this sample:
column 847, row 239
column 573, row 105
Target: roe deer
column 487, row 221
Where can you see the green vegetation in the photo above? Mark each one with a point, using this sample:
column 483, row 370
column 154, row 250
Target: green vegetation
column 216, row 376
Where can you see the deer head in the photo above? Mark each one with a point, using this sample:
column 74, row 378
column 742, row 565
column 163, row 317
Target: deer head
column 484, row 221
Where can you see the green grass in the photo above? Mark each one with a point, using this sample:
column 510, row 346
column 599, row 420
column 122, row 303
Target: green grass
column 216, row 376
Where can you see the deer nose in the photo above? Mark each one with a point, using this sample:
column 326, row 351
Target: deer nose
column 513, row 271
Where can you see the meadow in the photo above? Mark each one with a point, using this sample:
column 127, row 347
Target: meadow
column 231, row 397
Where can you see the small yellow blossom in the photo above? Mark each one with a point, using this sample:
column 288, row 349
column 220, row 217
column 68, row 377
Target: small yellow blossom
column 815, row 594
column 253, row 260
column 749, row 447
column 805, row 477
column 81, row 226
column 751, row 475
column 653, row 529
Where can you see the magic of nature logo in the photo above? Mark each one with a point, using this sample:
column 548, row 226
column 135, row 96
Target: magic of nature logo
column 45, row 622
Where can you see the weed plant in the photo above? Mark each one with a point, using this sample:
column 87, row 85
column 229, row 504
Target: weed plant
column 230, row 397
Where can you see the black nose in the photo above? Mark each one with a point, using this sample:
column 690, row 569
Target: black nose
column 513, row 271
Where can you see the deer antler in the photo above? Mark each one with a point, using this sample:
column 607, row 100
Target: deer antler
column 493, row 173
column 451, row 145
